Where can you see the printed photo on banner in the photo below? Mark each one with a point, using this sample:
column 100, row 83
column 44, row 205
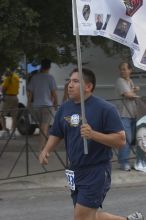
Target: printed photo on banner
column 135, row 40
column 143, row 60
column 122, row 28
column 86, row 12
column 106, row 22
column 135, row 45
column 99, row 21
column 141, row 144
column 118, row 21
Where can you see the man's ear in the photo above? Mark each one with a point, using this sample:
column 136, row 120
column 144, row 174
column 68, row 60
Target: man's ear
column 89, row 87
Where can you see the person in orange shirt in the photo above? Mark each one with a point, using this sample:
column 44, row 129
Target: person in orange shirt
column 10, row 88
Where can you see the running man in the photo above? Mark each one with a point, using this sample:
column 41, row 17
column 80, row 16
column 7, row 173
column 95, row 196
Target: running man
column 89, row 176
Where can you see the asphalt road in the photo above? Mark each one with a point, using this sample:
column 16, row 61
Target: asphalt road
column 55, row 203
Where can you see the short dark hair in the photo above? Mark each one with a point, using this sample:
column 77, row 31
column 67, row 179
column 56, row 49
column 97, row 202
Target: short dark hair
column 128, row 64
column 88, row 76
column 45, row 63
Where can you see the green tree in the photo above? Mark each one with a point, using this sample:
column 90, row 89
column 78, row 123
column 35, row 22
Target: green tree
column 42, row 29
column 55, row 29
column 18, row 25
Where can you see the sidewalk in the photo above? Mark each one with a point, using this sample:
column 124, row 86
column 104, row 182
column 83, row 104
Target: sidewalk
column 57, row 178
column 16, row 151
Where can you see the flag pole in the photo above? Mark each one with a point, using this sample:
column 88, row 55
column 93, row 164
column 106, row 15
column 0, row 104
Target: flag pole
column 80, row 70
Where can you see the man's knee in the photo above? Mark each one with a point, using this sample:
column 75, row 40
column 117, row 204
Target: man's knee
column 84, row 213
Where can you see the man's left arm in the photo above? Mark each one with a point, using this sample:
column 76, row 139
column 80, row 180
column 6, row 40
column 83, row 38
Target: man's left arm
column 117, row 140
column 54, row 98
column 53, row 90
column 5, row 85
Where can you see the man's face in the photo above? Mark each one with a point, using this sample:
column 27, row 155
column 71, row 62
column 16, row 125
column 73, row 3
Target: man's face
column 74, row 87
column 123, row 26
column 125, row 71
column 98, row 19
column 141, row 138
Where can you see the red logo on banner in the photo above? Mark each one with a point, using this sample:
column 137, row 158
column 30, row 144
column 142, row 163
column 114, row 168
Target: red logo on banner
column 132, row 6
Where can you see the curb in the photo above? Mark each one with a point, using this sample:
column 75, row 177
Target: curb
column 58, row 180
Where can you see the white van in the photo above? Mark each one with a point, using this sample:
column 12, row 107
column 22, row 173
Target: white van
column 25, row 124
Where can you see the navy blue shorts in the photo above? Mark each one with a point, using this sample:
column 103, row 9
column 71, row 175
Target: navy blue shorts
column 92, row 185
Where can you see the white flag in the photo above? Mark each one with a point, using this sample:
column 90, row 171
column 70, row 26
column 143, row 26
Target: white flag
column 123, row 21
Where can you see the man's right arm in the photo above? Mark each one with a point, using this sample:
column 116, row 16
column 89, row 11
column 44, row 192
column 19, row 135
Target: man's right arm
column 124, row 89
column 5, row 85
column 52, row 142
column 54, row 98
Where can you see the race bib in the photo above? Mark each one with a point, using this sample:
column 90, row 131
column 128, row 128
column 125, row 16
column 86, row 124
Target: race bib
column 70, row 179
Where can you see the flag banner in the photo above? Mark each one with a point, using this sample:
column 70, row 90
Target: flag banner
column 123, row 21
column 140, row 163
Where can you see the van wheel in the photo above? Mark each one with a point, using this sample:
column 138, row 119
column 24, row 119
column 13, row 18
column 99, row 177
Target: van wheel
column 23, row 125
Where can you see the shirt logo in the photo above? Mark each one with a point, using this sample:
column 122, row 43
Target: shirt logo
column 132, row 6
column 73, row 120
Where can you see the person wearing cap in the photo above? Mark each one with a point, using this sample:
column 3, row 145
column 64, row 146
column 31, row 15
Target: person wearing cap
column 10, row 89
column 42, row 96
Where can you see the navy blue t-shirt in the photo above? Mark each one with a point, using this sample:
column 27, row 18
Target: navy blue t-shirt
column 100, row 115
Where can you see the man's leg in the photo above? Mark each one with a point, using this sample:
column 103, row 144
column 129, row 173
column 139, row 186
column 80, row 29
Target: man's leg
column 3, row 122
column 5, row 131
column 14, row 122
column 13, row 103
column 124, row 153
column 85, row 213
column 2, row 116
column 108, row 216
column 88, row 198
column 44, row 130
column 44, row 126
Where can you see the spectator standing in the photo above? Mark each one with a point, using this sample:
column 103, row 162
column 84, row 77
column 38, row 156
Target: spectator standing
column 89, row 175
column 10, row 88
column 126, row 90
column 42, row 93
